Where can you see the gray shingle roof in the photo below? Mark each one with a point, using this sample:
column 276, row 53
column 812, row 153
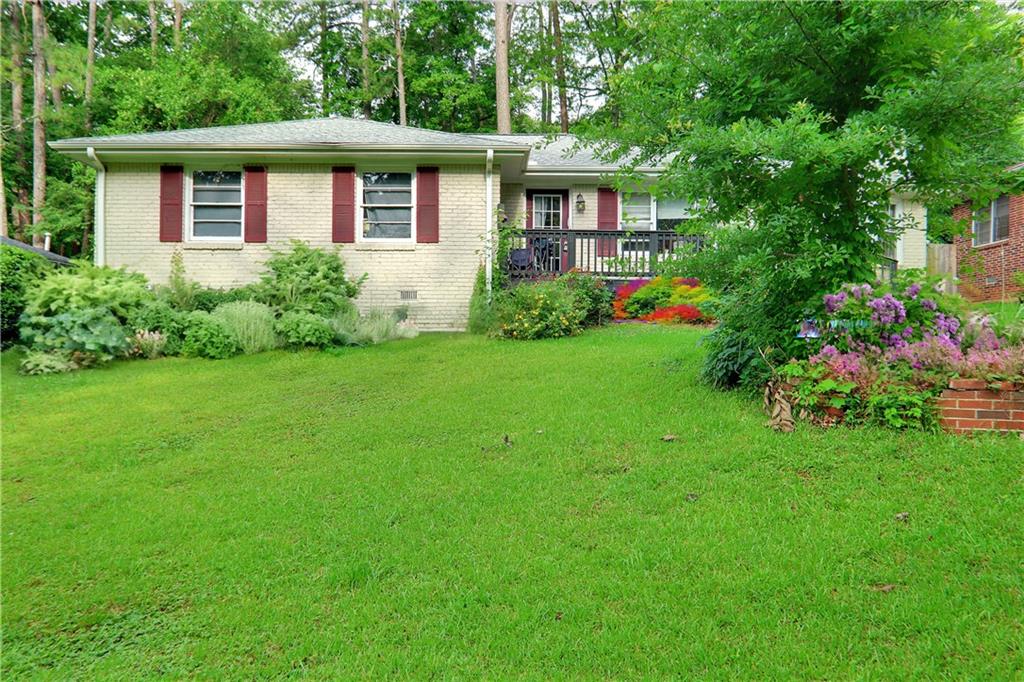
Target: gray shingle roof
column 311, row 132
column 558, row 152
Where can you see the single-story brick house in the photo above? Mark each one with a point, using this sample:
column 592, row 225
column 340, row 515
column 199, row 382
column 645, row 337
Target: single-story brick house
column 989, row 258
column 416, row 210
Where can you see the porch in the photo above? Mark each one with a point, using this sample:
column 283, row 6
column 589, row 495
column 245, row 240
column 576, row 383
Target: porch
column 614, row 254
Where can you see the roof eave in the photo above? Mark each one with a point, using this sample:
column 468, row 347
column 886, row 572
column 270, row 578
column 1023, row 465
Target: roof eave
column 76, row 145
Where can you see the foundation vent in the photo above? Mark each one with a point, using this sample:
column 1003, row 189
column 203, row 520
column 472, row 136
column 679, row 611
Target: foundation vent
column 407, row 295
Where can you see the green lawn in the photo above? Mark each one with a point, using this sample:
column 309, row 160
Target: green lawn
column 456, row 506
column 1004, row 311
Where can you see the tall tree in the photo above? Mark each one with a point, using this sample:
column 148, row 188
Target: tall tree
column 49, row 50
column 563, row 100
column 179, row 11
column 399, row 59
column 502, row 26
column 799, row 121
column 38, row 120
column 153, row 29
column 90, row 64
column 364, row 59
column 19, row 217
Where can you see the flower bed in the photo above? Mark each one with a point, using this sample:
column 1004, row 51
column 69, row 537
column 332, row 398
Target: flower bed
column 663, row 300
column 885, row 355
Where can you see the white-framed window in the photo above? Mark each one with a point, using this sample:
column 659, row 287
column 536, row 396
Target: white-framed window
column 992, row 223
column 215, row 204
column 387, row 205
column 641, row 211
column 547, row 211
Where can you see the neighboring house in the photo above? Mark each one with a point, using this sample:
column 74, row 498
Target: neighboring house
column 991, row 256
column 415, row 210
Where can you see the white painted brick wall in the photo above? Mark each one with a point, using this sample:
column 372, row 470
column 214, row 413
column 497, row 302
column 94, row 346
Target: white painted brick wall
column 299, row 207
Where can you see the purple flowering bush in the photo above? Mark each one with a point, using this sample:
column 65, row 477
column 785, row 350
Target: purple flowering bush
column 891, row 349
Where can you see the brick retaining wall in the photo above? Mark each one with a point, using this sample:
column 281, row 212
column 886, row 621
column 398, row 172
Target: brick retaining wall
column 975, row 405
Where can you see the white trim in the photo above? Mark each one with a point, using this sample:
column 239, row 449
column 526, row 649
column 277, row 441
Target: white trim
column 189, row 233
column 99, row 225
column 359, row 206
column 488, row 239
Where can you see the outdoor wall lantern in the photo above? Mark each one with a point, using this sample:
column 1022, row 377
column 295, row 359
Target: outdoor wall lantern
column 581, row 203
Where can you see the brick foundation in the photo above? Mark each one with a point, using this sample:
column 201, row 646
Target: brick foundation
column 974, row 405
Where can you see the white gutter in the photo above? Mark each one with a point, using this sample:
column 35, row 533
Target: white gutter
column 98, row 212
column 488, row 236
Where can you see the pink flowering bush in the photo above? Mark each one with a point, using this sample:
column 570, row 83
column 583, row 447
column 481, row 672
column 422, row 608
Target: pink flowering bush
column 893, row 349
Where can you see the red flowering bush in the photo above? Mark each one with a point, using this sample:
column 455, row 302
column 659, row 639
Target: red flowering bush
column 674, row 314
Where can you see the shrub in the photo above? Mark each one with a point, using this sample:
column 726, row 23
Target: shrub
column 93, row 331
column 85, row 286
column 481, row 311
column 252, row 324
column 149, row 344
column 158, row 316
column 47, row 362
column 306, row 279
column 674, row 314
column 378, row 326
column 304, row 329
column 179, row 292
column 20, row 271
column 592, row 294
column 540, row 310
column 207, row 337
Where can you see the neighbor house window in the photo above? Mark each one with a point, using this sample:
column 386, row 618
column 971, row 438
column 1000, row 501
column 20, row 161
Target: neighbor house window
column 216, row 204
column 640, row 211
column 547, row 211
column 992, row 223
column 387, row 205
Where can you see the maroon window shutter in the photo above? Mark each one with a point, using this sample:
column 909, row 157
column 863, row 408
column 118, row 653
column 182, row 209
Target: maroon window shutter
column 172, row 192
column 255, row 204
column 529, row 211
column 343, row 211
column 607, row 219
column 428, row 219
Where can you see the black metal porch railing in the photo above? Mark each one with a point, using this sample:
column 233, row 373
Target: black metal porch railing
column 537, row 253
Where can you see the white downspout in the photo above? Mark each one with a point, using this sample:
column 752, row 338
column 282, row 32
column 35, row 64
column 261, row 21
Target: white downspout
column 488, row 235
column 99, row 226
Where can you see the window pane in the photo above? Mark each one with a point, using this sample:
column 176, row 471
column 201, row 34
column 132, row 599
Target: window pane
column 983, row 226
column 393, row 197
column 673, row 208
column 1001, row 228
column 201, row 229
column 219, row 178
column 217, row 196
column 388, row 179
column 388, row 215
column 636, row 211
column 217, row 212
column 387, row 230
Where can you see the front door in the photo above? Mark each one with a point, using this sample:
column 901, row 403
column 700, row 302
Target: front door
column 548, row 210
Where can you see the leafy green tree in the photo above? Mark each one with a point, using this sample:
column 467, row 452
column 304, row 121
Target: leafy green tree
column 793, row 123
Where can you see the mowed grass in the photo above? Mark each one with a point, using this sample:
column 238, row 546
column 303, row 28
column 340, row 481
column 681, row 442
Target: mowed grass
column 457, row 506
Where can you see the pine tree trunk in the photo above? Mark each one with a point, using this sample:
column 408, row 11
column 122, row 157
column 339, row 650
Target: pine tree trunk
column 38, row 114
column 542, row 50
column 364, row 39
column 19, row 218
column 90, row 64
column 325, row 108
column 153, row 30
column 56, row 95
column 501, row 31
column 400, row 66
column 179, row 11
column 563, row 103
